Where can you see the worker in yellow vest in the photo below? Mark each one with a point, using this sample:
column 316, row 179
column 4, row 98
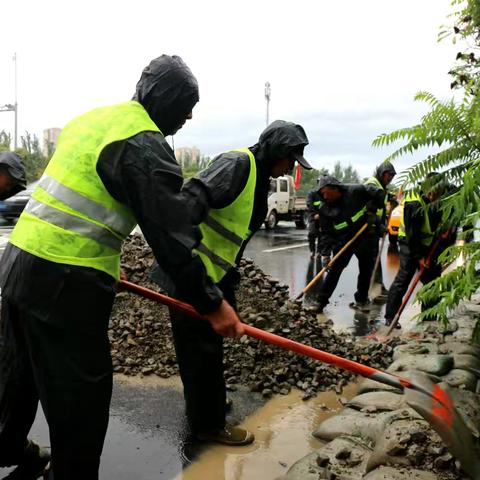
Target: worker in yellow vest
column 112, row 169
column 384, row 175
column 418, row 229
column 229, row 201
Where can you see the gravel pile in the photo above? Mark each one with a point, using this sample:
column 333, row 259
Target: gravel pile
column 141, row 340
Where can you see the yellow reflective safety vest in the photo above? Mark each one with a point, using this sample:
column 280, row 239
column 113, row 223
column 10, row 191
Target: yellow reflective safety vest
column 71, row 217
column 426, row 231
column 375, row 181
column 225, row 230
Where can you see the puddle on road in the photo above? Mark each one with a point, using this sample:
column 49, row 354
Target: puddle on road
column 282, row 428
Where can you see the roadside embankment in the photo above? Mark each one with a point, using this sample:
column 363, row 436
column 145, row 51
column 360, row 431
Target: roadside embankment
column 377, row 436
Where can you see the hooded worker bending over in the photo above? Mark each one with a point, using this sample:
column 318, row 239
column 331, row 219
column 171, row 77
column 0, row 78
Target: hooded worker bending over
column 112, row 169
column 416, row 236
column 344, row 210
column 229, row 201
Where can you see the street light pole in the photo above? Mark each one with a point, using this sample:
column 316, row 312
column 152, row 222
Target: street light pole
column 13, row 108
column 16, row 104
column 267, row 98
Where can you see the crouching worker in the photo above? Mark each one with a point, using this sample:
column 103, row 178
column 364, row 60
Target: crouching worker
column 229, row 201
column 344, row 210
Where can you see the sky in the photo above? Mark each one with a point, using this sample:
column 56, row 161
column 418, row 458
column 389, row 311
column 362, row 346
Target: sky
column 346, row 70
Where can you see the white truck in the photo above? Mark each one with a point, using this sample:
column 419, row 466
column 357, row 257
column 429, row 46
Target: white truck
column 284, row 204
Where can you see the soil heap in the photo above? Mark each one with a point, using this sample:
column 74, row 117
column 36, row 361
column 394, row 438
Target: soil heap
column 140, row 334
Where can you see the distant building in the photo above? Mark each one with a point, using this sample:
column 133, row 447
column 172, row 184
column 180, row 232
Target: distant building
column 188, row 156
column 50, row 139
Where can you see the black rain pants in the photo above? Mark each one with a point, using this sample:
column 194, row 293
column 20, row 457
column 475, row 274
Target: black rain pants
column 54, row 348
column 364, row 249
column 199, row 352
column 405, row 274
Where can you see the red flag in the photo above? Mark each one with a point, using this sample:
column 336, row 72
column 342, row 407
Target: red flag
column 298, row 176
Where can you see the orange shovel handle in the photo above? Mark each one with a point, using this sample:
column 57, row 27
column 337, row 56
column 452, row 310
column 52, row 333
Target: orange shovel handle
column 273, row 339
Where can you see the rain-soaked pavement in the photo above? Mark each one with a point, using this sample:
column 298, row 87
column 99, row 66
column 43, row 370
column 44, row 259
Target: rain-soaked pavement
column 283, row 253
column 147, row 437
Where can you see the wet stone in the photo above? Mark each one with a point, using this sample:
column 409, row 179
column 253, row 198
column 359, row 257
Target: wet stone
column 140, row 332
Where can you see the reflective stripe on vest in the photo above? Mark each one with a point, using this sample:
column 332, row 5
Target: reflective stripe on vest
column 90, row 208
column 354, row 219
column 375, row 181
column 73, row 223
column 71, row 217
column 225, row 230
column 426, row 231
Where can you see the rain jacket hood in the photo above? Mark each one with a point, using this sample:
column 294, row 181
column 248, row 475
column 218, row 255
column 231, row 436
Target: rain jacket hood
column 384, row 167
column 328, row 181
column 279, row 140
column 168, row 91
column 14, row 164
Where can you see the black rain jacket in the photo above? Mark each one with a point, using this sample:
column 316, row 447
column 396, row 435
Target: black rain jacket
column 222, row 182
column 354, row 198
column 142, row 172
column 13, row 163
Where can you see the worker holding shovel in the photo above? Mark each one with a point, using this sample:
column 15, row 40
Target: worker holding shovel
column 384, row 174
column 112, row 169
column 345, row 209
column 229, row 201
column 416, row 235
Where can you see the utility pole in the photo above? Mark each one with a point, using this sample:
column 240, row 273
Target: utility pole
column 16, row 104
column 267, row 98
column 13, row 108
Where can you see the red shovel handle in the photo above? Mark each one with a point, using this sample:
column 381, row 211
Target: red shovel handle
column 268, row 337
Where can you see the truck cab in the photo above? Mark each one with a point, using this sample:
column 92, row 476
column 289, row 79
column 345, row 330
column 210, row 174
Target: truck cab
column 284, row 204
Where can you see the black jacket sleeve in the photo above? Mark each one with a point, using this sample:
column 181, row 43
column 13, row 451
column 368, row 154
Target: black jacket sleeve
column 142, row 173
column 217, row 186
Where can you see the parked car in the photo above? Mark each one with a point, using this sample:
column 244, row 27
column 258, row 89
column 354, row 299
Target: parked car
column 394, row 224
column 11, row 208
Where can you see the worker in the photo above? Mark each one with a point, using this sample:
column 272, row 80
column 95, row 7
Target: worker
column 313, row 207
column 229, row 201
column 384, row 175
column 418, row 227
column 344, row 210
column 111, row 170
column 12, row 175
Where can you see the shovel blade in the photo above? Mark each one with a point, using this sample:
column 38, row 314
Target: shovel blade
column 435, row 404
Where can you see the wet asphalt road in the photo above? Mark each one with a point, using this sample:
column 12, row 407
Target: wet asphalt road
column 147, row 437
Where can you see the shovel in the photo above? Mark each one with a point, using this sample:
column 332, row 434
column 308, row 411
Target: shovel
column 431, row 401
column 318, row 276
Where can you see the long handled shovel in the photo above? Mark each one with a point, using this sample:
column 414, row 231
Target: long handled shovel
column 427, row 398
column 318, row 276
column 414, row 283
column 377, row 262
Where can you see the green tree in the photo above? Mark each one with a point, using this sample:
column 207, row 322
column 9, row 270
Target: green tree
column 345, row 174
column 5, row 141
column 454, row 129
column 34, row 160
column 308, row 180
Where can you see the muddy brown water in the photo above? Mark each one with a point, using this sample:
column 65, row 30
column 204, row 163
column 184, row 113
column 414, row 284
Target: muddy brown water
column 283, row 429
